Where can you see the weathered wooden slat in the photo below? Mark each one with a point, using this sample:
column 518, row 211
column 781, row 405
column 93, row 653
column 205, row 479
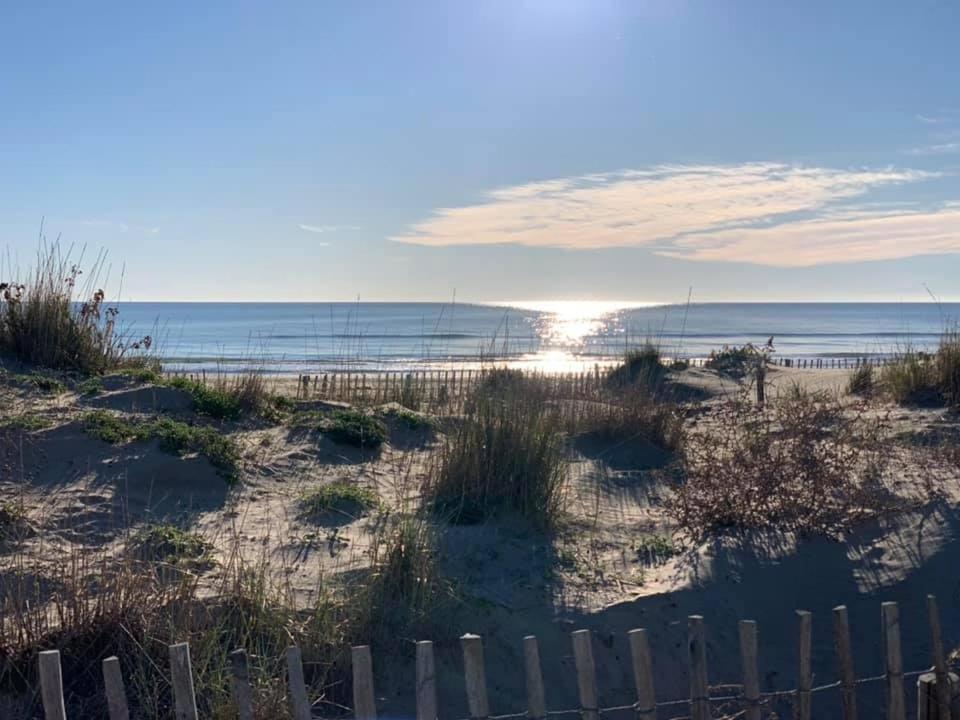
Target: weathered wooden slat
column 893, row 660
column 296, row 685
column 51, row 685
column 939, row 662
column 426, row 682
column 642, row 675
column 475, row 676
column 113, row 689
column 748, row 662
column 242, row 694
column 804, row 666
column 364, row 700
column 697, row 647
column 848, row 678
column 586, row 674
column 181, row 675
column 536, row 700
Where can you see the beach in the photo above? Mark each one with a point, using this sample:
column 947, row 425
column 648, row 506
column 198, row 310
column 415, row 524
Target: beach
column 615, row 557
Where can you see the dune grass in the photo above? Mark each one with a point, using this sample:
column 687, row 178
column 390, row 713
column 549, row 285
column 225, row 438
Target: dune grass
column 861, row 381
column 50, row 320
column 508, row 454
column 119, row 605
column 643, row 366
column 916, row 378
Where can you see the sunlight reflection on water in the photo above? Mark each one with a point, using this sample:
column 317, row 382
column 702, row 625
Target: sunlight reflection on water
column 564, row 328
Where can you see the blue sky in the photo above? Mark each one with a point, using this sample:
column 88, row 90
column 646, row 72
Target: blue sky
column 499, row 149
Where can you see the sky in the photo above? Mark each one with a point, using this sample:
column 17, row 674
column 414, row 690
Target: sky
column 487, row 150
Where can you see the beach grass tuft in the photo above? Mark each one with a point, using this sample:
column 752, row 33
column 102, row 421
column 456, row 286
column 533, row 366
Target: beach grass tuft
column 507, row 454
column 50, row 320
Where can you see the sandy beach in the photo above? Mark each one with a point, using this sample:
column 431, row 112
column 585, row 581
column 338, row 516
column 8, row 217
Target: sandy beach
column 616, row 560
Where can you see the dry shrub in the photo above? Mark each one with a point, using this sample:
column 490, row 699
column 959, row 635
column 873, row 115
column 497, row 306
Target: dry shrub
column 50, row 321
column 801, row 464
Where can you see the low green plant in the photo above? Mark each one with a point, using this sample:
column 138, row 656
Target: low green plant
column 110, row 428
column 170, row 544
column 215, row 402
column 339, row 496
column 90, row 386
column 654, row 549
column 354, row 427
column 149, row 373
column 179, row 438
column 43, row 383
column 409, row 418
column 174, row 437
column 29, row 421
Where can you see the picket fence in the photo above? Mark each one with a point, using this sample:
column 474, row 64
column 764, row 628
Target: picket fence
column 937, row 697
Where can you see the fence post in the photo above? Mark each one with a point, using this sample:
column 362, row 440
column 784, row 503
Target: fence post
column 943, row 684
column 299, row 702
column 536, row 702
column 748, row 659
column 928, row 707
column 586, row 674
column 848, row 679
column 113, row 689
column 643, row 675
column 241, row 684
column 426, row 682
column 805, row 679
column 364, row 701
column 475, row 676
column 51, row 685
column 697, row 646
column 181, row 675
column 890, row 616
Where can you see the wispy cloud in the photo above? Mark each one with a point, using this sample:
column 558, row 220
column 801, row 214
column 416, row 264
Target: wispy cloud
column 929, row 119
column 326, row 228
column 858, row 237
column 690, row 211
column 947, row 148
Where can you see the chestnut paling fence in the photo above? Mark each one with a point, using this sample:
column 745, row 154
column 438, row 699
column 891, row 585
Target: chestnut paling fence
column 439, row 387
column 937, row 696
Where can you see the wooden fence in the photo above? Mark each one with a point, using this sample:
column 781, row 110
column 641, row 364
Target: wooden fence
column 937, row 696
column 435, row 388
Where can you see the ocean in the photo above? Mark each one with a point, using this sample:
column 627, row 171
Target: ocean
column 554, row 336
